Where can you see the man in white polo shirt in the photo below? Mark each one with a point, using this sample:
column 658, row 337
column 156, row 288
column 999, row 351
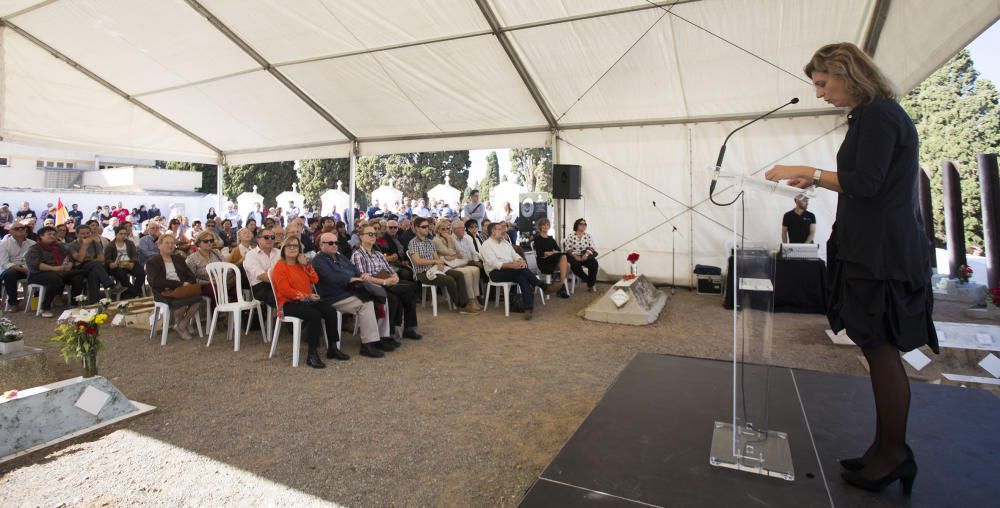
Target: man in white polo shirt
column 505, row 265
column 257, row 263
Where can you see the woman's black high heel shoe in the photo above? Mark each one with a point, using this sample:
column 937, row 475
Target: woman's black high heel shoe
column 906, row 472
column 858, row 463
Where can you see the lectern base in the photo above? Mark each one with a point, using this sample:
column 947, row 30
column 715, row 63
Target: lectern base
column 766, row 454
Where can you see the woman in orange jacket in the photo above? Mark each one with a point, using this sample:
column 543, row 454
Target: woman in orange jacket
column 292, row 278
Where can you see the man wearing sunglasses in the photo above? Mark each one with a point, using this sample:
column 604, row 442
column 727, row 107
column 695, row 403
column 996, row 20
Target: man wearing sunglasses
column 12, row 267
column 394, row 250
column 338, row 281
column 257, row 262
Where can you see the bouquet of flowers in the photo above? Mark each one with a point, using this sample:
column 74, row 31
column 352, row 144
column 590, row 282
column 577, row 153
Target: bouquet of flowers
column 964, row 273
column 79, row 335
column 633, row 257
column 632, row 269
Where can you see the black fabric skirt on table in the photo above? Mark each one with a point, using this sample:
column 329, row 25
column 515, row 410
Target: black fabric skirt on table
column 873, row 311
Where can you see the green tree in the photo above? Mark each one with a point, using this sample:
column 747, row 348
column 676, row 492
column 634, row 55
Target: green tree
column 271, row 179
column 957, row 116
column 316, row 176
column 208, row 172
column 491, row 178
column 533, row 168
column 413, row 173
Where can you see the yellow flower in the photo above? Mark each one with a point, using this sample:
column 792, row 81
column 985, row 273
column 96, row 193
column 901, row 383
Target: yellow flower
column 101, row 318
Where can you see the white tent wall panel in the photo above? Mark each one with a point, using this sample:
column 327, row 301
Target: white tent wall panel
column 145, row 45
column 466, row 84
column 248, row 111
column 48, row 103
column 348, row 85
column 619, row 211
column 285, row 31
column 759, row 59
column 568, row 58
column 517, row 12
column 334, row 151
column 8, row 7
column 453, row 86
column 921, row 35
column 434, row 144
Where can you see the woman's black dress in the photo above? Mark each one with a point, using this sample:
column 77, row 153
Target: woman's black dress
column 878, row 252
column 541, row 246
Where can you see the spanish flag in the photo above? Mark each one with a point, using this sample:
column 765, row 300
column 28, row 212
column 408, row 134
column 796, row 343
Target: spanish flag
column 61, row 214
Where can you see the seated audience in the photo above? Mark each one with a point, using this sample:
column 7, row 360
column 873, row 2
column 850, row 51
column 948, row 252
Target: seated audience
column 550, row 258
column 123, row 262
column 293, row 278
column 402, row 295
column 394, row 250
column 447, row 250
column 169, row 277
column 50, row 265
column 582, row 254
column 199, row 260
column 505, row 265
column 147, row 247
column 87, row 254
column 12, row 264
column 343, row 286
column 425, row 259
column 257, row 263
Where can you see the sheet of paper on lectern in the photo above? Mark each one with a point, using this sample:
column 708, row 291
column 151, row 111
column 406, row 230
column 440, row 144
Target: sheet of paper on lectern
column 991, row 364
column 917, row 359
column 984, row 339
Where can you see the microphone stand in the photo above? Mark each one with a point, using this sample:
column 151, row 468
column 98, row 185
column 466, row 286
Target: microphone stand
column 673, row 251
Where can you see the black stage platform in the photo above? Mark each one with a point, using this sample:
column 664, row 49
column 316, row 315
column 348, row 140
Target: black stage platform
column 646, row 443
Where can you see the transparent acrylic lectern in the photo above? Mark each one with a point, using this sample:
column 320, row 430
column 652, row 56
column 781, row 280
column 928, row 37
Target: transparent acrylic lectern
column 745, row 441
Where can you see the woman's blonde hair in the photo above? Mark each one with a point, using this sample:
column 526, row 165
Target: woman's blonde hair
column 203, row 235
column 846, row 61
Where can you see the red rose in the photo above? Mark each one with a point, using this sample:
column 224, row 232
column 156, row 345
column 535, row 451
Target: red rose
column 91, row 330
column 633, row 257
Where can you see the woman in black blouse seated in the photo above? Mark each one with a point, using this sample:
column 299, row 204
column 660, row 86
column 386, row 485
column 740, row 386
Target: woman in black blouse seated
column 549, row 257
column 170, row 277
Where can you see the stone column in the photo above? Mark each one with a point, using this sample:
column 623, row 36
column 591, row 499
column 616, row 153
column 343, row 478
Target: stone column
column 927, row 213
column 954, row 223
column 989, row 188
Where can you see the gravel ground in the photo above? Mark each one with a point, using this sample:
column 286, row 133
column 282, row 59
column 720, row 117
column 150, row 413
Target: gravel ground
column 467, row 417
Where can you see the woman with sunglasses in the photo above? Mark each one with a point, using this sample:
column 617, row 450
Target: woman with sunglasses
column 293, row 279
column 198, row 261
column 582, row 254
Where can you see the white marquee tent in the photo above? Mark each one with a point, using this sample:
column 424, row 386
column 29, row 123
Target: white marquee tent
column 638, row 92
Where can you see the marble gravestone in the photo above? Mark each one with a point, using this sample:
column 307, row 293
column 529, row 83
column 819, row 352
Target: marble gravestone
column 628, row 302
column 45, row 415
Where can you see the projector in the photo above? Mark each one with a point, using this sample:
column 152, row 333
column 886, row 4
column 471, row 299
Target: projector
column 800, row 250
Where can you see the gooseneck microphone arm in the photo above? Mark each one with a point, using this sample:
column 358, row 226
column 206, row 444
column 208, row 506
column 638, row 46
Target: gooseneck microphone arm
column 722, row 149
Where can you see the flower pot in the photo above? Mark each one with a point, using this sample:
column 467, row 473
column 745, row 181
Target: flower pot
column 633, row 269
column 7, row 348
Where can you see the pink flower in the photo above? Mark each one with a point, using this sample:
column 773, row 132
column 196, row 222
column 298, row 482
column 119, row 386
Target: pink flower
column 10, row 394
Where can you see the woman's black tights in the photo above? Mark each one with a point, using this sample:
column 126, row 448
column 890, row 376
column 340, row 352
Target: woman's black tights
column 891, row 389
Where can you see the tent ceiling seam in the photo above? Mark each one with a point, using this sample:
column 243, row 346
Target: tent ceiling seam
column 515, row 60
column 196, row 83
column 29, row 8
column 600, row 14
column 106, row 84
column 292, row 87
column 699, row 119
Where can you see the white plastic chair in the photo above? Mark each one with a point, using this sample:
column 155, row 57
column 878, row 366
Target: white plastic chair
column 23, row 284
column 531, row 257
column 29, row 293
column 296, row 330
column 162, row 310
column 218, row 275
column 506, row 294
column 434, row 296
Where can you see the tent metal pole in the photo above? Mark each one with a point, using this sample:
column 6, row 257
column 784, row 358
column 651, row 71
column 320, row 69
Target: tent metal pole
column 349, row 216
column 219, row 191
column 515, row 60
column 880, row 11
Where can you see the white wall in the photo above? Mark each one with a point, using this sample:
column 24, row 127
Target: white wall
column 144, row 178
column 195, row 205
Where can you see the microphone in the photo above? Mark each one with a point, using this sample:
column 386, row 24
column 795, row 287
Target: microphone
column 722, row 150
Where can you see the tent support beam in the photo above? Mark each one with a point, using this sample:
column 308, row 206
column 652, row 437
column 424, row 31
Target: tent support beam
column 112, row 88
column 292, row 87
column 516, row 61
column 219, row 191
column 349, row 213
column 874, row 31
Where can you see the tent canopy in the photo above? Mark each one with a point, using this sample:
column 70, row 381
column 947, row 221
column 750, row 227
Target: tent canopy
column 638, row 92
column 275, row 80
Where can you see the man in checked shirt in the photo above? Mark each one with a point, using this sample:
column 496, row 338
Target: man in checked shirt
column 402, row 294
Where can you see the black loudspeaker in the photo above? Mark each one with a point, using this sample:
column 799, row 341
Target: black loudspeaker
column 566, row 181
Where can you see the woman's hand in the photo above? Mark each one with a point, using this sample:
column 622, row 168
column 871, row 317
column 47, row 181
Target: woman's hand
column 314, row 297
column 795, row 176
column 302, row 259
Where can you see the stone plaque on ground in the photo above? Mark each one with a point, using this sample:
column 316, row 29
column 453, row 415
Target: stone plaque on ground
column 641, row 308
